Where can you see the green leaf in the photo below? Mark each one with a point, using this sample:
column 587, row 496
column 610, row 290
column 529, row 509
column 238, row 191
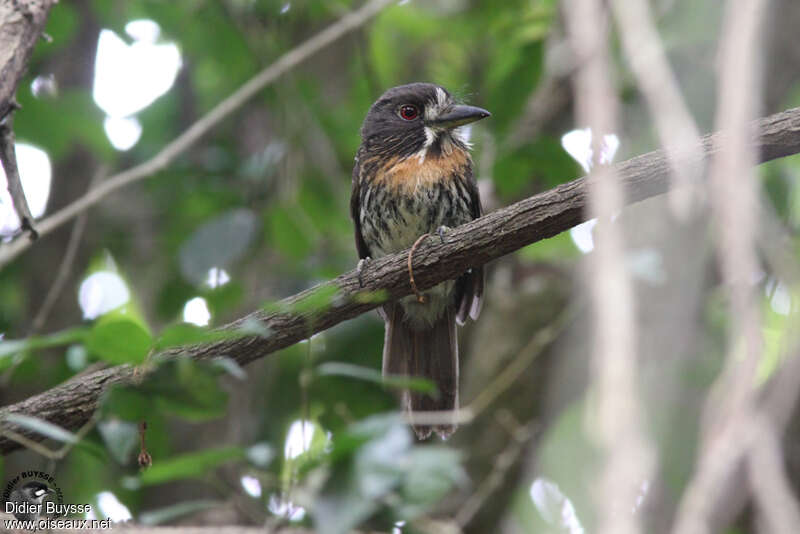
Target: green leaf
column 40, row 426
column 372, row 375
column 191, row 465
column 120, row 341
column 184, row 334
column 318, row 300
column 120, row 437
column 370, row 297
column 127, row 403
column 12, row 347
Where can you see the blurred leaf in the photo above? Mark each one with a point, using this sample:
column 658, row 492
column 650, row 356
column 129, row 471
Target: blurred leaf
column 119, row 340
column 230, row 366
column 374, row 458
column 372, row 375
column 188, row 389
column 168, row 513
column 42, row 427
column 127, row 403
column 178, row 387
column 554, row 507
column 183, row 334
column 434, row 470
column 319, row 300
column 254, row 327
column 190, row 465
column 120, row 437
column 10, row 347
column 287, row 233
column 217, row 243
column 260, row 454
column 378, row 296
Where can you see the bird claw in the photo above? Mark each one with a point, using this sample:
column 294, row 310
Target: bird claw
column 360, row 270
column 441, row 231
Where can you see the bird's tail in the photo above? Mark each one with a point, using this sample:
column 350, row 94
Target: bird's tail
column 429, row 352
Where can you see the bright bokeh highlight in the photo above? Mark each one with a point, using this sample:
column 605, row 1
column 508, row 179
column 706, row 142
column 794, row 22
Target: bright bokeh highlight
column 196, row 312
column 130, row 77
column 35, row 173
column 101, row 292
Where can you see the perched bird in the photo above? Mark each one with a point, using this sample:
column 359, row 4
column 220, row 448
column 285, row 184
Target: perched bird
column 413, row 176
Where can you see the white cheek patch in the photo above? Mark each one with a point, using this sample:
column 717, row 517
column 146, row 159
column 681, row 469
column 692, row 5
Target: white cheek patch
column 430, row 137
column 463, row 134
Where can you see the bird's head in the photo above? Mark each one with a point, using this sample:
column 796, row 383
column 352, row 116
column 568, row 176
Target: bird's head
column 418, row 118
column 35, row 491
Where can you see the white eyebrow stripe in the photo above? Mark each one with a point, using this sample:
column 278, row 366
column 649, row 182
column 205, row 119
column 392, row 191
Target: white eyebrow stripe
column 441, row 97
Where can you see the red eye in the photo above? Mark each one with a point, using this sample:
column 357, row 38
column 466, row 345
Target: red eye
column 409, row 112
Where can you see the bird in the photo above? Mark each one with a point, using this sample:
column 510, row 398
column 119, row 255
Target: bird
column 413, row 175
column 28, row 500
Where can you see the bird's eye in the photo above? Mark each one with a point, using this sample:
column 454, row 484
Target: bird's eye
column 408, row 112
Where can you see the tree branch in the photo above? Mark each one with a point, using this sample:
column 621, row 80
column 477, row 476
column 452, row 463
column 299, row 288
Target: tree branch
column 21, row 25
column 498, row 233
column 202, row 126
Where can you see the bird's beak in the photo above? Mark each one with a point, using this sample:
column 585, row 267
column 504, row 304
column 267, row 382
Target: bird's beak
column 459, row 116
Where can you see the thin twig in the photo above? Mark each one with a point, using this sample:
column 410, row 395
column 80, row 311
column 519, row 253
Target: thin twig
column 500, row 383
column 8, row 158
column 494, row 480
column 41, row 449
column 202, row 126
column 65, row 269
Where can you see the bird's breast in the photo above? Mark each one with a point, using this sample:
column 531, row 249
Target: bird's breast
column 404, row 198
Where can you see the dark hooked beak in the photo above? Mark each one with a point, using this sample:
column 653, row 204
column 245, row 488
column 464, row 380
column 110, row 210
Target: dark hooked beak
column 459, row 116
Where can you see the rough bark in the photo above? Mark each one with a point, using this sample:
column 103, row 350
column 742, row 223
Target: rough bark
column 21, row 25
column 498, row 233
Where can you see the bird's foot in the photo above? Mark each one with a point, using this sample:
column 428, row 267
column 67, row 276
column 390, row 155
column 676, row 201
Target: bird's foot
column 360, row 270
column 441, row 231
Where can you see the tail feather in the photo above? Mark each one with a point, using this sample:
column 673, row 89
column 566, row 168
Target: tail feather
column 425, row 352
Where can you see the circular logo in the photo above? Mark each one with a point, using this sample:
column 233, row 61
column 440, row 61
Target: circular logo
column 33, row 495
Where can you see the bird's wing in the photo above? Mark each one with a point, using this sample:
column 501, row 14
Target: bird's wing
column 355, row 211
column 470, row 285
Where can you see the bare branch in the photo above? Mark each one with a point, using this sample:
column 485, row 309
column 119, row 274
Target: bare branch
column 65, row 268
column 676, row 127
column 8, row 158
column 729, row 410
column 771, row 487
column 21, row 25
column 498, row 233
column 220, row 112
column 614, row 421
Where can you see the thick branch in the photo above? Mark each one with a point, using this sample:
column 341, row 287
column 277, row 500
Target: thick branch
column 493, row 235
